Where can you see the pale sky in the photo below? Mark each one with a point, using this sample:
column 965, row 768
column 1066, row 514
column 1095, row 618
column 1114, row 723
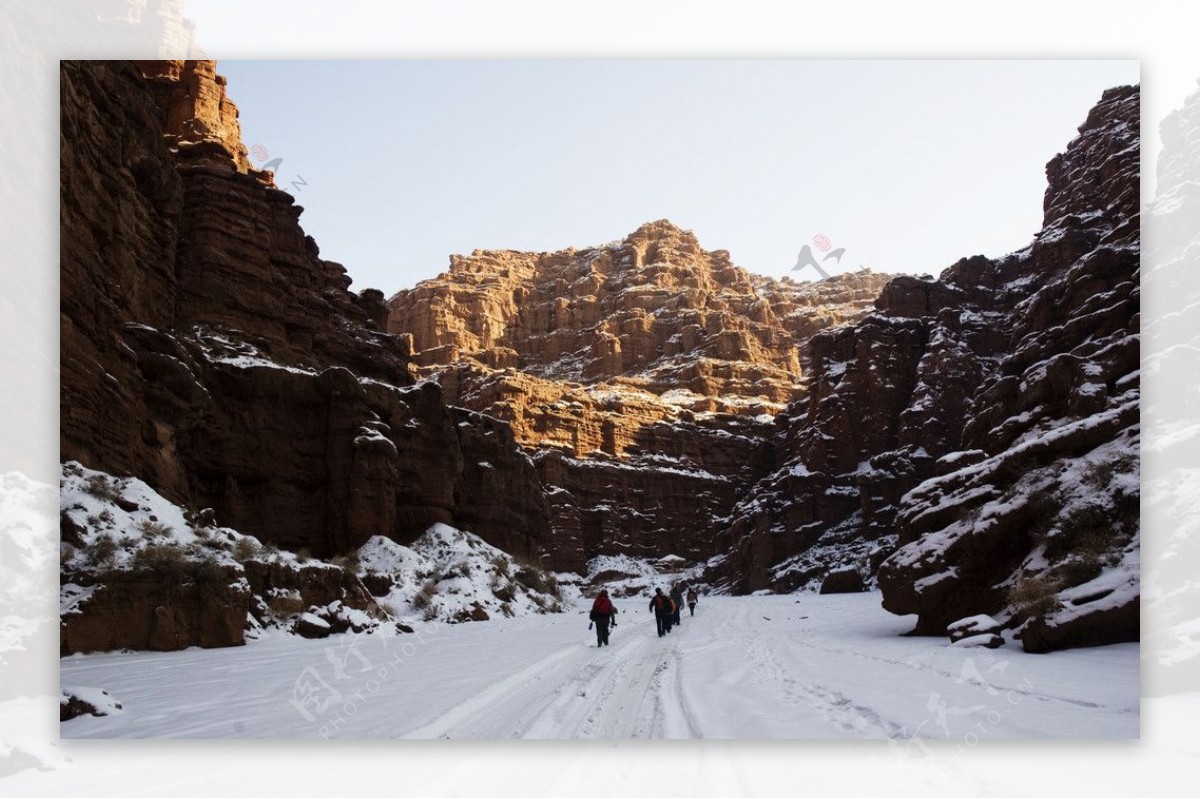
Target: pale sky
column 908, row 165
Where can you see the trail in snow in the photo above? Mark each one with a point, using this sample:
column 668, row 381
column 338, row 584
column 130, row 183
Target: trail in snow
column 804, row 666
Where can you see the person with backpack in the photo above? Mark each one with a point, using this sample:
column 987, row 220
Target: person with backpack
column 677, row 601
column 603, row 614
column 692, row 596
column 660, row 603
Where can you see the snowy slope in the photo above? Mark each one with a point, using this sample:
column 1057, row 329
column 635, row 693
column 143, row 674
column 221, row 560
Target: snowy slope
column 744, row 667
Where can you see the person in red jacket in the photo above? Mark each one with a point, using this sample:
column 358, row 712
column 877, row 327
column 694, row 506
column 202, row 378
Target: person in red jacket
column 603, row 613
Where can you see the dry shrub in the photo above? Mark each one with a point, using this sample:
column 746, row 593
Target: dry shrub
column 1033, row 596
column 245, row 549
column 424, row 597
column 102, row 550
column 100, row 487
column 152, row 529
column 161, row 558
column 285, row 605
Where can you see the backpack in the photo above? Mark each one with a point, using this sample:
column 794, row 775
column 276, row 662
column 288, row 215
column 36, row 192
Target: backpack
column 660, row 602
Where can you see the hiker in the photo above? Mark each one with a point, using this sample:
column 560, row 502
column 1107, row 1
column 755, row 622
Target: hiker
column 691, row 599
column 660, row 603
column 603, row 613
column 677, row 600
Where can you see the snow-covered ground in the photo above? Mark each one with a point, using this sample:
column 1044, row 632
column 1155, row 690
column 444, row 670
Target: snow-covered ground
column 803, row 666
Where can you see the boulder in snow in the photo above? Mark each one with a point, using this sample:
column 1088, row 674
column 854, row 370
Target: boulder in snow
column 76, row 700
column 309, row 625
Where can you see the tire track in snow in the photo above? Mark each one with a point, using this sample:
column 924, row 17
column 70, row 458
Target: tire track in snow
column 665, row 712
column 464, row 718
column 578, row 692
column 589, row 704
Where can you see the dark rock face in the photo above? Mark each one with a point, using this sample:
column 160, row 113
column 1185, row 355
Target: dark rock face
column 140, row 610
column 985, row 424
column 207, row 348
column 842, row 581
column 1055, row 503
column 171, row 609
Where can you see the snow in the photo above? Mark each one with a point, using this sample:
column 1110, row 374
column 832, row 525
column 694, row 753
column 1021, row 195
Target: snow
column 977, row 623
column 368, row 435
column 257, row 362
column 1113, row 588
column 645, row 465
column 799, row 470
column 315, row 621
column 983, row 639
column 834, row 666
column 72, row 596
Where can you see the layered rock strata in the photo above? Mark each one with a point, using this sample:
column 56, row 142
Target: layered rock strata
column 208, row 349
column 643, row 375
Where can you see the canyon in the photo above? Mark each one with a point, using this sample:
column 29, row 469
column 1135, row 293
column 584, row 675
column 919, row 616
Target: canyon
column 965, row 445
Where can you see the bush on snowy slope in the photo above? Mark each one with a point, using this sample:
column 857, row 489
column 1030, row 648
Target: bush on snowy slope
column 139, row 572
column 454, row 576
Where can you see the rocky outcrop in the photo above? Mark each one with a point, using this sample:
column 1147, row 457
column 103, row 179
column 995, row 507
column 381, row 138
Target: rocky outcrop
column 207, row 348
column 139, row 572
column 985, row 424
column 199, row 118
column 1053, row 508
column 76, row 701
column 144, row 610
column 654, row 311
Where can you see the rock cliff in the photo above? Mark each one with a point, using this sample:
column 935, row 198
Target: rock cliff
column 654, row 311
column 975, row 439
column 208, row 349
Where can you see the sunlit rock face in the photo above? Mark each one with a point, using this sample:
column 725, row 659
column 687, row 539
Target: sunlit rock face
column 642, row 375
